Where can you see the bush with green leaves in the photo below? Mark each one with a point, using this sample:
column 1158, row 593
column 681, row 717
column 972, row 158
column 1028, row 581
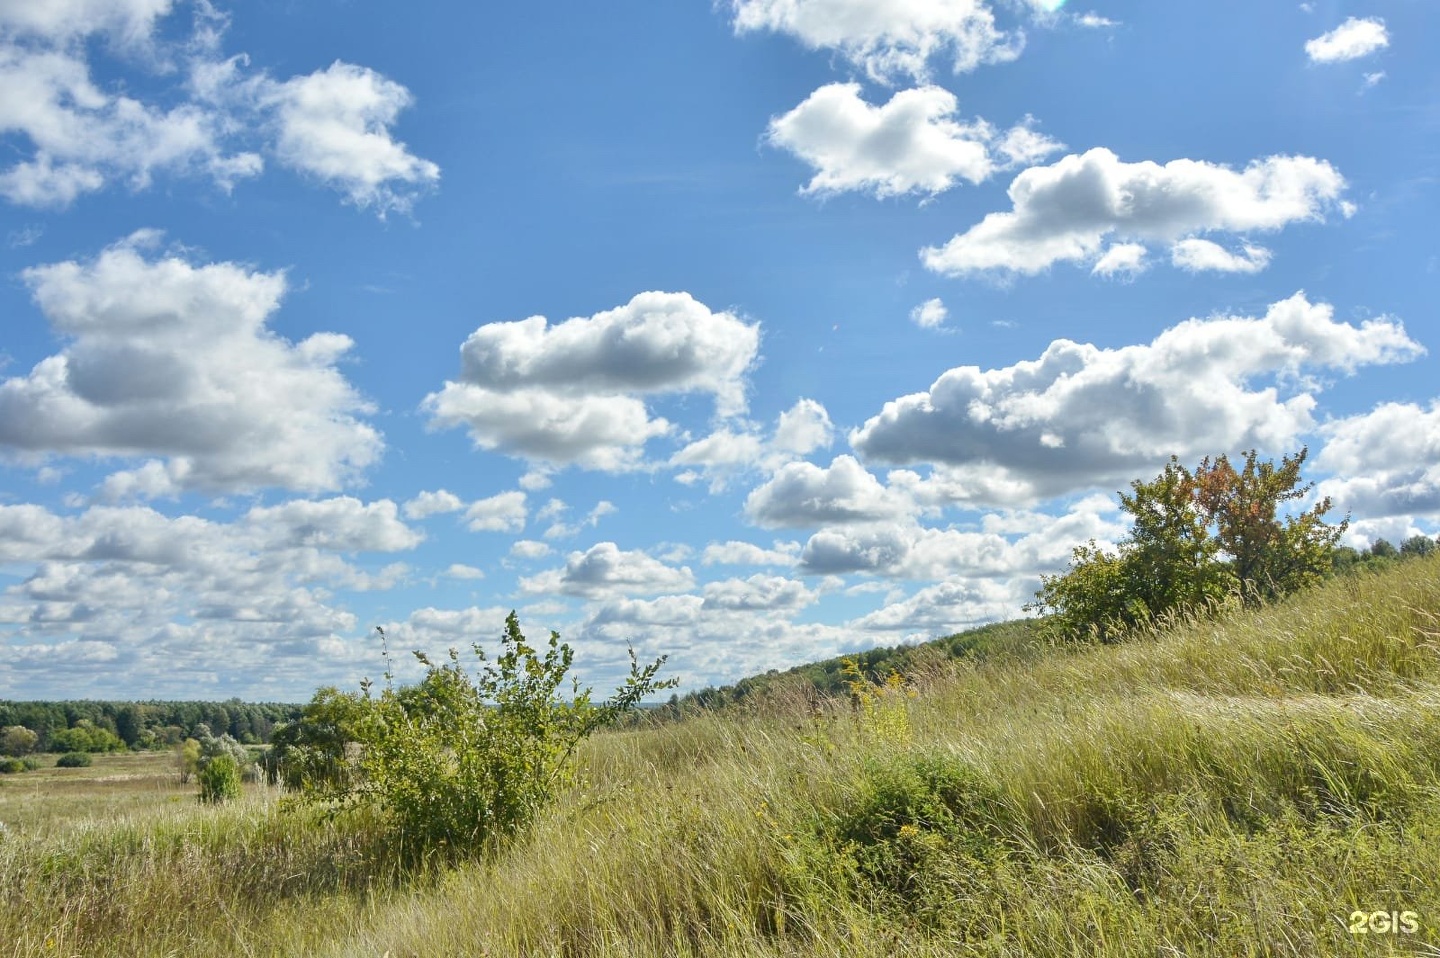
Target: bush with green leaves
column 85, row 736
column 17, row 741
column 10, row 766
column 73, row 760
column 219, row 780
column 457, row 760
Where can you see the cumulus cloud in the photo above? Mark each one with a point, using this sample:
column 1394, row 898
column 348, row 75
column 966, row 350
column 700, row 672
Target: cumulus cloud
column 1081, row 415
column 1122, row 259
column 170, row 359
column 804, row 494
column 930, row 314
column 1196, row 255
column 912, row 144
column 946, row 608
column 1386, row 463
column 606, row 570
column 505, row 512
column 1065, row 212
column 1353, row 39
column 759, row 592
column 734, row 552
column 886, row 38
column 428, row 504
column 740, row 447
column 212, row 118
column 172, row 596
column 529, row 549
column 571, row 393
column 334, row 124
column 457, row 570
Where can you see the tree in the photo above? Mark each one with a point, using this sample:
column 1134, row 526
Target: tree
column 459, row 760
column 220, row 780
column 1419, row 546
column 1196, row 537
column 17, row 740
column 1269, row 556
column 187, row 759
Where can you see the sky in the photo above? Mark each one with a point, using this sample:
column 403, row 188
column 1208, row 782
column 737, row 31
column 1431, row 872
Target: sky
column 747, row 332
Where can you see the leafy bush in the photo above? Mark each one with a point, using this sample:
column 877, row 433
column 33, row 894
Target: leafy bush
column 459, row 760
column 12, row 765
column 17, row 740
column 73, row 760
column 85, row 736
column 219, row 780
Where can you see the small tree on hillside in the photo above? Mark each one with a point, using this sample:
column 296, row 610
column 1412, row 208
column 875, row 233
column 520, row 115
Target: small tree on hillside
column 1196, row 538
column 1270, row 556
column 17, row 740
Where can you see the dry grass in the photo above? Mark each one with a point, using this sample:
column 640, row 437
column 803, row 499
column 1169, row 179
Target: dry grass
column 1227, row 788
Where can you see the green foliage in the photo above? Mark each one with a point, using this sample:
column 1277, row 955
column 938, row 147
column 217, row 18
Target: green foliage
column 314, row 752
column 17, row 740
column 1196, row 538
column 85, row 736
column 881, row 708
column 73, row 760
column 12, row 765
column 459, row 759
column 219, row 779
column 187, row 759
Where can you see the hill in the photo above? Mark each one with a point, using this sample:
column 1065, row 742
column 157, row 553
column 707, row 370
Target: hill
column 1264, row 783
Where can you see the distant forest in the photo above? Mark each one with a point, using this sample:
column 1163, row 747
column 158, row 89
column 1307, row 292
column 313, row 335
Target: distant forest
column 90, row 726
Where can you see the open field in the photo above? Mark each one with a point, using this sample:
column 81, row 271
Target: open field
column 1229, row 788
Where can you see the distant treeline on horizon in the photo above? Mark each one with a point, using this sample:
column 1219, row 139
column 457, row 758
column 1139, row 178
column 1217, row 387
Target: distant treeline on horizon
column 145, row 725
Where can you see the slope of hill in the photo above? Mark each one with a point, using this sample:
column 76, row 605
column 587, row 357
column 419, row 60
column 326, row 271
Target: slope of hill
column 1266, row 783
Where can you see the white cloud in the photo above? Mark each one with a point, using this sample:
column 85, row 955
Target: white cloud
column 564, row 530
column 505, row 512
column 167, row 358
column 740, row 447
column 1093, row 21
column 1373, row 79
column 334, row 124
column 1197, row 255
column 605, row 570
column 529, row 549
column 571, row 393
column 759, row 592
column 803, row 494
column 1122, row 259
column 1386, row 463
column 172, row 598
column 428, row 504
column 459, row 570
column 930, row 314
column 734, row 552
column 1351, row 40
column 888, row 38
column 1065, row 212
column 82, row 137
column 912, row 144
column 1081, row 415
column 210, row 119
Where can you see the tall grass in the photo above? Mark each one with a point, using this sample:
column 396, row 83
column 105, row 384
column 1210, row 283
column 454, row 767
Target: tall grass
column 1227, row 787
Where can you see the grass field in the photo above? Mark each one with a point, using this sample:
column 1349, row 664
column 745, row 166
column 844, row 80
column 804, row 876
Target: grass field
column 1258, row 785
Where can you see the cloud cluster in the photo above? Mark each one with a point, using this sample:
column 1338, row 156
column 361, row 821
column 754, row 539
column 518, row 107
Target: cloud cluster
column 1066, row 212
column 803, row 494
column 1080, row 415
column 173, row 360
column 75, row 136
column 912, row 144
column 1353, row 39
column 572, row 392
column 1386, row 463
column 888, row 38
column 187, row 602
column 605, row 570
column 739, row 447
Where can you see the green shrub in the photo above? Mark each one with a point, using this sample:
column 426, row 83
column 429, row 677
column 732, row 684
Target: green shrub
column 73, row 760
column 12, row 765
column 459, row 760
column 219, row 780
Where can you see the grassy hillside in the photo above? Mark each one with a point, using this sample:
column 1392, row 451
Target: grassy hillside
column 1227, row 788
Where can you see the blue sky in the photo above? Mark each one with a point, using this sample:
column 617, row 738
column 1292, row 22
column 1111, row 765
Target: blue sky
column 748, row 333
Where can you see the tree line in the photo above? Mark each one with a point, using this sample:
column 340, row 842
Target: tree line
column 107, row 726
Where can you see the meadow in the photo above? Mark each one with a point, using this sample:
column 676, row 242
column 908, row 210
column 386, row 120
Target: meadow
column 1263, row 783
